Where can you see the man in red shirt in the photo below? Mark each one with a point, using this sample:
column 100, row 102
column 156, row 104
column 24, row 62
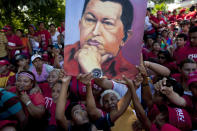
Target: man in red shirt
column 181, row 14
column 14, row 42
column 44, row 35
column 160, row 21
column 172, row 18
column 190, row 51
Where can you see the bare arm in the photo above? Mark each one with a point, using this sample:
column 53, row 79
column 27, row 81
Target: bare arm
column 176, row 99
column 61, row 103
column 92, row 110
column 138, row 107
column 146, row 93
column 122, row 106
column 104, row 83
column 36, row 111
column 59, row 39
column 29, row 47
column 157, row 68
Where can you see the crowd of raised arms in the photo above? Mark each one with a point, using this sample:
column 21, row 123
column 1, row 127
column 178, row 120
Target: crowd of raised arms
column 36, row 94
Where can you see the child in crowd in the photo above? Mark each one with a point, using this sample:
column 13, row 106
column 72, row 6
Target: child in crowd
column 154, row 52
column 186, row 67
column 76, row 116
column 181, row 41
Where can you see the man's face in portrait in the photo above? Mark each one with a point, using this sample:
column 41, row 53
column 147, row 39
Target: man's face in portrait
column 101, row 26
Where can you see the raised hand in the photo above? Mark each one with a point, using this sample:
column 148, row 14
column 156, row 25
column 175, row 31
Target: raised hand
column 89, row 58
column 66, row 79
column 24, row 97
column 161, row 86
column 85, row 78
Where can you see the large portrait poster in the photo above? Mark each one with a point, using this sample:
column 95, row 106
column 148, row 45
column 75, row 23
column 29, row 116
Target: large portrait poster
column 104, row 35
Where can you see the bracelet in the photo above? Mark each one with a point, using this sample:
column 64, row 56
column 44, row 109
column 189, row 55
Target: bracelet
column 29, row 102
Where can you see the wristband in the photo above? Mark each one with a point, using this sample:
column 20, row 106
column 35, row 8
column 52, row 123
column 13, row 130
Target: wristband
column 29, row 102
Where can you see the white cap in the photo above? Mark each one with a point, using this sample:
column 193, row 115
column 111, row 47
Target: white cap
column 35, row 56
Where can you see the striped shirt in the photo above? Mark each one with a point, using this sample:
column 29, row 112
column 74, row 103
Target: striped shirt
column 3, row 42
column 9, row 104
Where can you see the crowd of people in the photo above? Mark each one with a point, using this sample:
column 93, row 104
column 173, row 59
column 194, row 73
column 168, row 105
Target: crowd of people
column 37, row 94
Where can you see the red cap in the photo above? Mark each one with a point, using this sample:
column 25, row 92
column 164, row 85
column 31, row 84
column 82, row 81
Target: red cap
column 182, row 10
column 159, row 12
column 192, row 78
column 179, row 118
column 7, row 28
column 4, row 62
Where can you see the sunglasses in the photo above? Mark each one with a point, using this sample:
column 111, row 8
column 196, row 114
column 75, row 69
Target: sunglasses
column 161, row 57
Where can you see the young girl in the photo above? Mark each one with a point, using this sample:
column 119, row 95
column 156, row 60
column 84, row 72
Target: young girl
column 155, row 50
column 76, row 118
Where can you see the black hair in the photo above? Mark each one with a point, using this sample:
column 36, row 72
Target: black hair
column 29, row 72
column 68, row 112
column 19, row 57
column 52, row 25
column 20, row 30
column 185, row 22
column 188, row 60
column 193, row 29
column 192, row 8
column 166, row 54
column 177, row 87
column 58, row 82
column 155, row 42
column 148, row 9
column 40, row 23
column 184, row 36
column 127, row 14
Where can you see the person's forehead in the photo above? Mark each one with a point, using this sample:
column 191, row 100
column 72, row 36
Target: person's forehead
column 57, row 86
column 193, row 34
column 22, row 77
column 108, row 95
column 189, row 65
column 107, row 9
column 76, row 107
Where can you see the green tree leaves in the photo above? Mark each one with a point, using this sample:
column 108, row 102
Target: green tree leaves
column 21, row 13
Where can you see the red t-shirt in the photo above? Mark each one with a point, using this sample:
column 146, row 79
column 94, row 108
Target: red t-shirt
column 61, row 29
column 177, row 53
column 13, row 41
column 177, row 77
column 191, row 107
column 151, row 55
column 36, row 98
column 161, row 21
column 45, row 36
column 188, row 52
column 180, row 16
column 172, row 18
column 190, row 15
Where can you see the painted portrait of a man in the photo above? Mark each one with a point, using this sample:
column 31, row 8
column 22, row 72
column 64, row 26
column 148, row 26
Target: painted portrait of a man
column 104, row 28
